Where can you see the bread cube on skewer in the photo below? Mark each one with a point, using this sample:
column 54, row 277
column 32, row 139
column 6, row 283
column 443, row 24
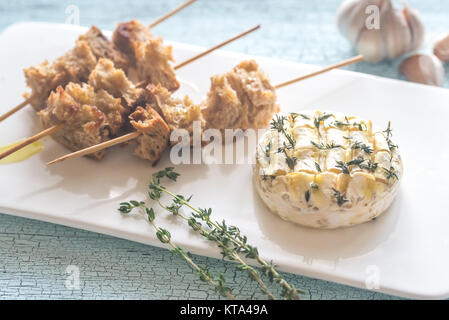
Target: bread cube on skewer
column 89, row 117
column 128, row 35
column 155, row 133
column 240, row 99
column 75, row 66
column 178, row 113
column 164, row 111
column 114, row 81
column 153, row 64
column 147, row 54
column 102, row 47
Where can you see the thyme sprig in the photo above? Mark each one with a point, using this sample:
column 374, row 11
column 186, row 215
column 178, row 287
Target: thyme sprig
column 340, row 197
column 307, row 195
column 355, row 162
column 359, row 145
column 278, row 124
column 370, row 166
column 389, row 133
column 346, row 123
column 390, row 173
column 317, row 121
column 295, row 115
column 229, row 237
column 164, row 237
column 360, row 162
column 291, row 161
column 313, row 187
column 228, row 248
column 343, row 167
column 325, row 146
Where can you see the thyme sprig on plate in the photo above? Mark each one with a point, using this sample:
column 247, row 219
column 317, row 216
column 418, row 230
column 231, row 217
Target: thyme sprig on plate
column 227, row 237
column 164, row 236
column 228, row 248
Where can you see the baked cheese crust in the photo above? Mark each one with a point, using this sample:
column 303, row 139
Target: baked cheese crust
column 327, row 170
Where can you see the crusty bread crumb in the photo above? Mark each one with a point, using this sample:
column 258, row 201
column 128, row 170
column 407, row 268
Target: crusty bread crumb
column 153, row 64
column 242, row 98
column 90, row 117
column 155, row 133
column 105, row 76
column 75, row 66
column 128, row 35
column 178, row 113
column 102, row 47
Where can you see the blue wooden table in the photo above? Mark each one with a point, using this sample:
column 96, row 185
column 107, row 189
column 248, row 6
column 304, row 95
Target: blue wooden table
column 40, row 260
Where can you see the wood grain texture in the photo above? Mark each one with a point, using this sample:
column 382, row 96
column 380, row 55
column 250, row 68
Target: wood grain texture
column 35, row 255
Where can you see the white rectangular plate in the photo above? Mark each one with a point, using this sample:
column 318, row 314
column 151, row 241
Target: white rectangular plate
column 406, row 250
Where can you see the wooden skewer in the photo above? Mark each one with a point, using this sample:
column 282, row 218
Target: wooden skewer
column 98, row 147
column 206, row 52
column 128, row 137
column 15, row 109
column 244, row 33
column 169, row 14
column 326, row 69
column 155, row 23
column 30, row 140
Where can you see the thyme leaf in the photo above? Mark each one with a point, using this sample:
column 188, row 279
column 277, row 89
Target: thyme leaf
column 327, row 146
column 359, row 145
column 228, row 238
column 341, row 200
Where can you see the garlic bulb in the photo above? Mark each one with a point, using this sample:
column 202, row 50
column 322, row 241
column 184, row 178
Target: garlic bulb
column 378, row 30
column 441, row 48
column 423, row 68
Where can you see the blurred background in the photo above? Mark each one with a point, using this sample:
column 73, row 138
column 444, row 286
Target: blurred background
column 296, row 30
column 35, row 255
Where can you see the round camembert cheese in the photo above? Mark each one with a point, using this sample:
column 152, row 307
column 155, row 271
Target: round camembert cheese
column 326, row 170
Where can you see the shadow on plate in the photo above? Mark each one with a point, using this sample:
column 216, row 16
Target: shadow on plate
column 327, row 244
column 120, row 175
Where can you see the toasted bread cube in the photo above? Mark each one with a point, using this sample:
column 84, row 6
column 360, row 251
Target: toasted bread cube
column 154, row 133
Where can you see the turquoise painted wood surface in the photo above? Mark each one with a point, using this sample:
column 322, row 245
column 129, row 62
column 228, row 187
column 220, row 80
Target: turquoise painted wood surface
column 40, row 260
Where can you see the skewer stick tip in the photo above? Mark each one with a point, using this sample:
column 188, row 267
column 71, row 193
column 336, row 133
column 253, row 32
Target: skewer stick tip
column 172, row 12
column 340, row 64
column 15, row 109
column 218, row 46
column 96, row 148
column 30, row 140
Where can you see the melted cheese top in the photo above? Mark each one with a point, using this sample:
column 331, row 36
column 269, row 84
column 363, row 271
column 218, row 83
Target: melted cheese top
column 327, row 158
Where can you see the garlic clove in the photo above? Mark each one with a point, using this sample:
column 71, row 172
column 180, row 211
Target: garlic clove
column 396, row 33
column 416, row 27
column 371, row 45
column 399, row 30
column 423, row 68
column 441, row 48
column 370, row 41
column 351, row 17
